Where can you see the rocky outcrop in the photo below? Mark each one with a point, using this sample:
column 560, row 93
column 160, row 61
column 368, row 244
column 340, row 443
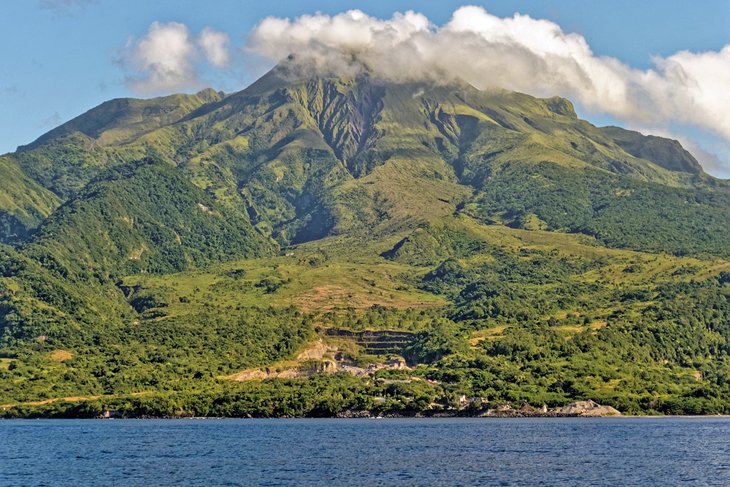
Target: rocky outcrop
column 301, row 370
column 587, row 408
column 317, row 351
column 318, row 358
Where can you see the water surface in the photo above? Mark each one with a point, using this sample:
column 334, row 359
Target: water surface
column 535, row 451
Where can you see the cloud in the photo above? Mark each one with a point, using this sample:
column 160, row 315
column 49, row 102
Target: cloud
column 215, row 46
column 168, row 58
column 517, row 53
column 164, row 57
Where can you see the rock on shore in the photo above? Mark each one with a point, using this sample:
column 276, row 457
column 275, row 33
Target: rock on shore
column 587, row 408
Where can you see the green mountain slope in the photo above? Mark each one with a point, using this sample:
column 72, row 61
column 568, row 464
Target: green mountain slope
column 65, row 159
column 140, row 218
column 125, row 119
column 621, row 212
column 510, row 251
column 24, row 203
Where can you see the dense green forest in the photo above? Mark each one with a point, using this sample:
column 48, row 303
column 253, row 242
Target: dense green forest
column 323, row 246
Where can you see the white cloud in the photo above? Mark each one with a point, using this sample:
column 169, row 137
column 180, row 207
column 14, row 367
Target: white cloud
column 168, row 58
column 164, row 57
column 517, row 53
column 215, row 46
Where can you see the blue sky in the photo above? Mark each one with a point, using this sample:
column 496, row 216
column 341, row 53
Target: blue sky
column 62, row 57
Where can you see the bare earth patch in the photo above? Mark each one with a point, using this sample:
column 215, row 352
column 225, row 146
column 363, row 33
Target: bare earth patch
column 61, row 355
column 319, row 357
column 597, row 325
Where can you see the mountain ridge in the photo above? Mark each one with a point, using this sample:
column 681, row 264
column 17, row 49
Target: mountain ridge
column 342, row 121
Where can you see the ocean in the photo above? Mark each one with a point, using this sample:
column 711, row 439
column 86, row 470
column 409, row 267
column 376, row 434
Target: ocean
column 368, row 452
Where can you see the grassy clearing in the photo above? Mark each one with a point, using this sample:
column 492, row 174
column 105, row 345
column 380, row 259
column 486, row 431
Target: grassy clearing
column 60, row 356
column 294, row 280
column 493, row 333
column 5, row 363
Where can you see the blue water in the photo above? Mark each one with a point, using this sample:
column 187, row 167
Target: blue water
column 537, row 451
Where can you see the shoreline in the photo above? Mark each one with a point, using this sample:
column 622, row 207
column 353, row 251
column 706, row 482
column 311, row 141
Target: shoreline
column 367, row 417
column 374, row 418
column 121, row 410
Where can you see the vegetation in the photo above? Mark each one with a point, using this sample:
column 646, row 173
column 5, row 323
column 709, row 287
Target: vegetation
column 151, row 251
column 24, row 203
column 620, row 212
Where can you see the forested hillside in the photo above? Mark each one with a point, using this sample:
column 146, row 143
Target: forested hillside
column 225, row 254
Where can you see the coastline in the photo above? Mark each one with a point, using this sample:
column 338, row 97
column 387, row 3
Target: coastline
column 361, row 415
column 373, row 418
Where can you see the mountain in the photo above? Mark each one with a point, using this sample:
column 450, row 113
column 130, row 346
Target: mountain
column 158, row 251
column 309, row 157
